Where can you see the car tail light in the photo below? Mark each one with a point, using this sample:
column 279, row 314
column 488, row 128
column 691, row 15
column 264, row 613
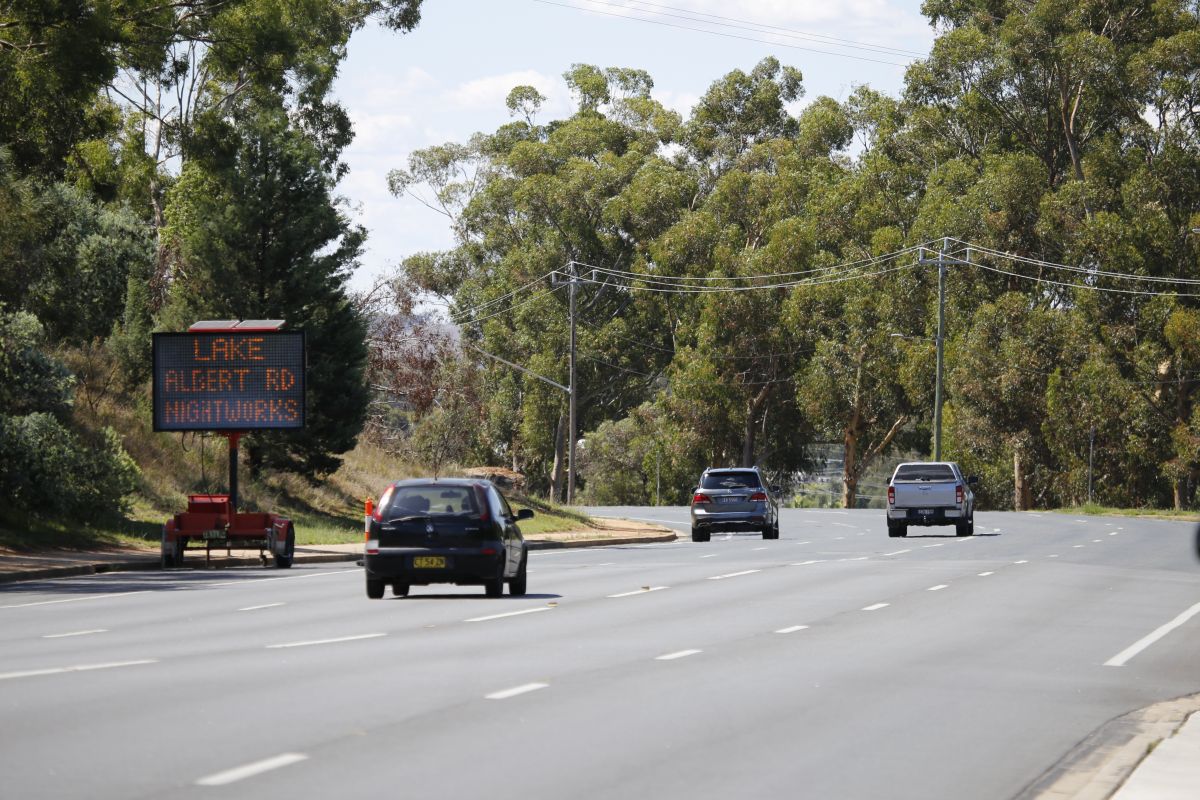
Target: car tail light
column 377, row 515
column 481, row 497
column 372, row 547
column 700, row 497
column 489, row 551
column 958, row 494
column 891, row 495
column 759, row 496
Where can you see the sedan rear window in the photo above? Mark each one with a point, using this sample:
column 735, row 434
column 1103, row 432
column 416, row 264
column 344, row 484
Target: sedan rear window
column 924, row 472
column 432, row 500
column 730, row 480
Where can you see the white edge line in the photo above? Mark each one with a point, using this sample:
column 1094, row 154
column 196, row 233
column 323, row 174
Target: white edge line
column 76, row 599
column 792, row 629
column 806, row 563
column 81, row 668
column 250, row 770
column 74, row 633
column 509, row 614
column 286, row 578
column 326, row 641
column 677, row 654
column 524, row 688
column 1121, row 658
column 876, row 607
column 898, row 552
column 646, row 590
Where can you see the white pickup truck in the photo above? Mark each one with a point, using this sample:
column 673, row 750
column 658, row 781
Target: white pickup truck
column 930, row 493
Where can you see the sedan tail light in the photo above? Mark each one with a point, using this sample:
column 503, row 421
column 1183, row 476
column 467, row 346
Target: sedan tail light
column 891, row 495
column 759, row 496
column 700, row 497
column 958, row 494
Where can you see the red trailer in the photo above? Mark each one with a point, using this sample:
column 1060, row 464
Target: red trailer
column 210, row 522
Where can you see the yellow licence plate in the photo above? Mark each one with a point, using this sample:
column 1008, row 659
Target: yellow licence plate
column 429, row 562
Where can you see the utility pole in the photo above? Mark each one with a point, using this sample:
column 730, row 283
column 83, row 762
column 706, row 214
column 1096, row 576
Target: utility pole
column 573, row 389
column 942, row 261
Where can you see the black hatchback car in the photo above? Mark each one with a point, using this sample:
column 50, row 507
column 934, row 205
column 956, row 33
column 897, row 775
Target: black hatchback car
column 736, row 499
column 452, row 530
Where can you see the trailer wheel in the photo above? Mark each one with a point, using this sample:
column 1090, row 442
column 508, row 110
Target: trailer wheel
column 285, row 561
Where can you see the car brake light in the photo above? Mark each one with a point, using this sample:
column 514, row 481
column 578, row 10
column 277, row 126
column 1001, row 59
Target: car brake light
column 489, row 551
column 958, row 494
column 759, row 496
column 891, row 495
column 701, row 497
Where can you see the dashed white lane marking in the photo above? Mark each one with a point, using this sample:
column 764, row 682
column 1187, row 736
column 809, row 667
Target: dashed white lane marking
column 336, row 640
column 524, row 688
column 74, row 633
column 1113, row 533
column 856, row 558
column 843, row 525
column 643, row 590
column 792, row 629
column 711, row 555
column 939, row 544
column 250, row 770
column 76, row 599
column 29, row 673
column 876, row 607
column 806, row 563
column 803, row 542
column 1121, row 658
column 1096, row 540
column 897, row 552
column 265, row 605
column 756, row 549
column 1022, row 561
column 510, row 614
column 1077, row 546
column 937, row 588
column 677, row 654
column 734, row 574
column 985, row 574
column 1053, row 556
column 838, row 538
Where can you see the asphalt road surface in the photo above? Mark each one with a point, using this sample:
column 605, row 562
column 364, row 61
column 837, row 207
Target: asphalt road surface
column 834, row 662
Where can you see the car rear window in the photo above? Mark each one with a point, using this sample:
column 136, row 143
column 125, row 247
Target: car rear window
column 730, row 480
column 432, row 500
column 924, row 472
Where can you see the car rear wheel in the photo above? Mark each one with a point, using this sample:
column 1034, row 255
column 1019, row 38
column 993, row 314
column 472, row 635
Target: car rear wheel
column 375, row 587
column 965, row 528
column 400, row 589
column 494, row 588
column 518, row 584
column 771, row 532
column 699, row 535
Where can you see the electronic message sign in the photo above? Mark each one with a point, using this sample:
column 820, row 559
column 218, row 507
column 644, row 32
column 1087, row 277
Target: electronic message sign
column 228, row 380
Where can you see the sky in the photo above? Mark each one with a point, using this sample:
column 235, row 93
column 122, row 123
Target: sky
column 449, row 77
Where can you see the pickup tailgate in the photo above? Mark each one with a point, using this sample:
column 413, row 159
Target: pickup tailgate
column 925, row 494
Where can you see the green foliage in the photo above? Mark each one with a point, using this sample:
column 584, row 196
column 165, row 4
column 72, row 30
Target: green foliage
column 30, row 380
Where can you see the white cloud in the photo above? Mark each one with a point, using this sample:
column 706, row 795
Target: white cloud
column 488, row 94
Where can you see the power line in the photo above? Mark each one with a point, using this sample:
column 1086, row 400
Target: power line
column 719, row 33
column 1069, row 268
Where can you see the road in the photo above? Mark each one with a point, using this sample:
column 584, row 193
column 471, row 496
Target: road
column 834, row 662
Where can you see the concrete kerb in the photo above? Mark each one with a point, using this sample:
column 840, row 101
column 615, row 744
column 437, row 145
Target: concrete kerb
column 1097, row 767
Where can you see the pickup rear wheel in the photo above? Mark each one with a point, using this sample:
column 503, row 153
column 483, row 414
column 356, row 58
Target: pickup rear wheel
column 899, row 529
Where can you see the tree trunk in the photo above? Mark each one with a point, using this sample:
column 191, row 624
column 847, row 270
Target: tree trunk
column 1177, row 493
column 748, row 439
column 1021, row 488
column 849, row 469
column 556, row 474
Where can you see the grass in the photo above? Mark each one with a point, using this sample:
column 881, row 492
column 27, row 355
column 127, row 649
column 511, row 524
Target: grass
column 1094, row 509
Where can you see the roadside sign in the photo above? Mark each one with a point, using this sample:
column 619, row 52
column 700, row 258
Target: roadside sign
column 229, row 380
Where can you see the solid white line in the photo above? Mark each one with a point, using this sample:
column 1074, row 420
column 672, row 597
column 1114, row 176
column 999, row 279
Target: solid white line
column 898, row 552
column 326, row 641
column 250, row 770
column 524, row 688
column 806, row 563
column 937, row 588
column 81, row 668
column 876, row 607
column 256, row 608
column 644, row 590
column 734, row 574
column 288, row 578
column 74, row 633
column 75, row 599
column 985, row 574
column 510, row 614
column 1122, row 657
column 677, row 654
column 792, row 629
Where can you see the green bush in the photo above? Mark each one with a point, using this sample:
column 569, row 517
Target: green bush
column 47, row 469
